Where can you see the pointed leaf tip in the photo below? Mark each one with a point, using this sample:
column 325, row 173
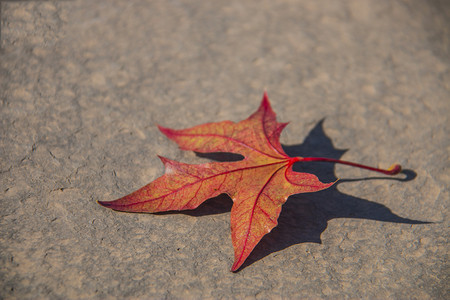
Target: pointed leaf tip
column 166, row 131
column 105, row 203
column 164, row 160
column 237, row 265
column 265, row 101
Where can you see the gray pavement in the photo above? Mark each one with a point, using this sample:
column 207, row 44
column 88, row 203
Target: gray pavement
column 84, row 83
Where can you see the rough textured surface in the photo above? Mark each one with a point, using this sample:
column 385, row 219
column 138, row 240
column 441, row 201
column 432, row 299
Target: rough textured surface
column 83, row 83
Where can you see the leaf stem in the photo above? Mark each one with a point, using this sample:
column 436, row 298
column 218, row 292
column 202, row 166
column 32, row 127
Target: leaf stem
column 393, row 170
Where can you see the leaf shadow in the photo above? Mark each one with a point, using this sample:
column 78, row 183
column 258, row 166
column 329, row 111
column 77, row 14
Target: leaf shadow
column 305, row 216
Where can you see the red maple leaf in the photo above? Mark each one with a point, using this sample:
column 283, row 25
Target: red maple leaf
column 258, row 185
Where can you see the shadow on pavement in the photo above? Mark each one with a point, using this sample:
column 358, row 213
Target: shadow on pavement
column 305, row 216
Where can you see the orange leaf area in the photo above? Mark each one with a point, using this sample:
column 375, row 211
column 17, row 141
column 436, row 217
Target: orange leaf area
column 258, row 185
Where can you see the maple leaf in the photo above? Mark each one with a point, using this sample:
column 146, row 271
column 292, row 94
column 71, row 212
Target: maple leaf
column 258, row 185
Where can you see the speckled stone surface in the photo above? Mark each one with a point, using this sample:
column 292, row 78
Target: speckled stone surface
column 83, row 84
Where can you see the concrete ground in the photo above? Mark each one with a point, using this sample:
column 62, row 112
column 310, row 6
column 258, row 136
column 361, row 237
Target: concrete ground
column 84, row 83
